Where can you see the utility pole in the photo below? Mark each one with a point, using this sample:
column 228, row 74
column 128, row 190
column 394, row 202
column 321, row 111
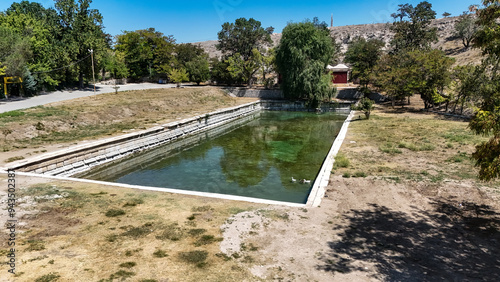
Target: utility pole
column 93, row 73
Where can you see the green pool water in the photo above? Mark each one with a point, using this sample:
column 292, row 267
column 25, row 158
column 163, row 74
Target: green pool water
column 256, row 159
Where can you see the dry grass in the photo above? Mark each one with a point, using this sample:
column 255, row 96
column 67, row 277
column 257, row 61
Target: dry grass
column 104, row 115
column 404, row 144
column 72, row 237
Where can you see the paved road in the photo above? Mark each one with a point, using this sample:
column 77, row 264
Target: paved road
column 24, row 103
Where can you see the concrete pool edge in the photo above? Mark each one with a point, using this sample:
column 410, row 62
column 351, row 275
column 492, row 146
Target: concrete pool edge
column 319, row 187
column 168, row 190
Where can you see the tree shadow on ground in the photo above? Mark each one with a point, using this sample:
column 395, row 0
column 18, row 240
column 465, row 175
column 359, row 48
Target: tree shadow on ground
column 458, row 241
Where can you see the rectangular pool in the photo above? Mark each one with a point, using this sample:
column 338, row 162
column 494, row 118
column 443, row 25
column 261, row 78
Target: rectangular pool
column 256, row 156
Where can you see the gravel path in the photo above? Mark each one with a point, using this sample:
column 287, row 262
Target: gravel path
column 57, row 96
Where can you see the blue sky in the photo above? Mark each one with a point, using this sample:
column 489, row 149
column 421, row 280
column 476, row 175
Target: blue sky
column 192, row 21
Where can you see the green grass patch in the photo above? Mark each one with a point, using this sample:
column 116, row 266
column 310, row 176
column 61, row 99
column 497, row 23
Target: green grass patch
column 138, row 232
column 114, row 212
column 195, row 257
column 13, row 159
column 160, row 254
column 121, row 274
column 390, row 148
column 341, row 161
column 206, row 240
column 360, row 174
column 35, row 245
column 172, row 232
column 197, row 232
column 48, row 277
column 128, row 264
column 201, row 209
column 459, row 158
column 12, row 114
column 133, row 202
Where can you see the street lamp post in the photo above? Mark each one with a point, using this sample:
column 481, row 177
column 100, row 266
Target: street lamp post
column 93, row 73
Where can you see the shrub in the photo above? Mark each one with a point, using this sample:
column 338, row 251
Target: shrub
column 136, row 232
column 133, row 203
column 48, row 277
column 341, row 161
column 128, row 264
column 365, row 105
column 114, row 212
column 195, row 257
column 207, row 239
column 171, row 232
column 197, row 232
column 35, row 245
column 160, row 254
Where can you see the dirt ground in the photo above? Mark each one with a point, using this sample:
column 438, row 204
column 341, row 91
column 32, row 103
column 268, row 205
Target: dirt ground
column 415, row 212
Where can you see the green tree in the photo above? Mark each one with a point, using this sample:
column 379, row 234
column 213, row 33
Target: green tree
column 486, row 119
column 433, row 72
column 198, row 69
column 366, row 105
column 15, row 52
column 147, row 52
column 446, row 14
column 394, row 75
column 465, row 28
column 178, row 76
column 219, row 72
column 268, row 66
column 2, row 69
column 42, row 29
column 114, row 63
column 363, row 55
column 415, row 72
column 238, row 42
column 465, row 80
column 81, row 30
column 187, row 52
column 302, row 56
column 411, row 27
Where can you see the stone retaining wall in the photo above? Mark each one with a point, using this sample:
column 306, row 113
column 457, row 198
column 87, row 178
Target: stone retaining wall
column 83, row 157
column 254, row 93
column 298, row 106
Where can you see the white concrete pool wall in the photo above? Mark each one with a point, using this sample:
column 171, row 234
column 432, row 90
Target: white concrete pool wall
column 61, row 164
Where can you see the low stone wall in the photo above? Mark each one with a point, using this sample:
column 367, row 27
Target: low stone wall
column 254, row 93
column 354, row 94
column 299, row 106
column 83, row 157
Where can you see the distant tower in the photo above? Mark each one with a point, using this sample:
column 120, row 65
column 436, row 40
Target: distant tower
column 331, row 25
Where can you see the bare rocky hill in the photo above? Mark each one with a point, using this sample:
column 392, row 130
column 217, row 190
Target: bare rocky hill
column 345, row 34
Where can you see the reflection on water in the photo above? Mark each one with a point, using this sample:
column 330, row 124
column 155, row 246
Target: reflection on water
column 257, row 159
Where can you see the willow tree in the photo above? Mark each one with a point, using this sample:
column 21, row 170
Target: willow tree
column 302, row 57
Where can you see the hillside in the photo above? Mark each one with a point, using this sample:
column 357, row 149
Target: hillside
column 345, row 34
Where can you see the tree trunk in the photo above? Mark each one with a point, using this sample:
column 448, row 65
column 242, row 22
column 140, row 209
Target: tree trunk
column 249, row 83
column 80, row 80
